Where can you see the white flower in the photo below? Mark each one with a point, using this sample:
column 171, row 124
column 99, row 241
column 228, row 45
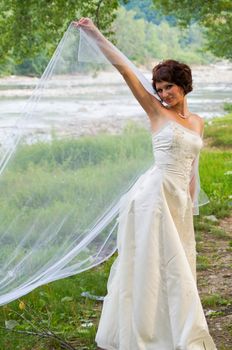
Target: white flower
column 87, row 324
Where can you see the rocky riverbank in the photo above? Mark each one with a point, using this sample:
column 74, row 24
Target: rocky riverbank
column 21, row 86
column 86, row 105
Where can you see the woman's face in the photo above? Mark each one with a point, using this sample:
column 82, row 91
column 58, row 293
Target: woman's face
column 169, row 93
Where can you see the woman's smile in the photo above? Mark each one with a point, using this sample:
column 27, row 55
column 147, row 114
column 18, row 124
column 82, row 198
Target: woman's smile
column 168, row 99
column 170, row 93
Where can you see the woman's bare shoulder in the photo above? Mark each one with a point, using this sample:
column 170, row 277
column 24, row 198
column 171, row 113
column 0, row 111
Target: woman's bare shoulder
column 198, row 122
column 197, row 119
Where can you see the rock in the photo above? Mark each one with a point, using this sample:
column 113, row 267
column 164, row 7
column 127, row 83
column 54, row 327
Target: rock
column 211, row 218
column 209, row 312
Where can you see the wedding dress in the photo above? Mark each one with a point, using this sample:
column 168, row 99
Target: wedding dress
column 152, row 301
column 59, row 214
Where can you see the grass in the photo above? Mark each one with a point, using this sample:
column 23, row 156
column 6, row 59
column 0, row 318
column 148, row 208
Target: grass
column 218, row 232
column 203, row 263
column 228, row 107
column 59, row 306
column 204, row 225
column 219, row 131
column 214, row 300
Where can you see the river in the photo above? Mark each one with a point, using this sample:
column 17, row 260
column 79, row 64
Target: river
column 104, row 103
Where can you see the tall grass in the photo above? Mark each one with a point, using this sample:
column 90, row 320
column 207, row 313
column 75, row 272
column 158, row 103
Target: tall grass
column 77, row 179
column 219, row 131
column 59, row 305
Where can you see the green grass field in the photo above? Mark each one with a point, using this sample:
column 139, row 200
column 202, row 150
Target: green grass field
column 59, row 307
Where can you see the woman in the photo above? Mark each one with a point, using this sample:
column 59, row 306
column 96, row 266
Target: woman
column 152, row 301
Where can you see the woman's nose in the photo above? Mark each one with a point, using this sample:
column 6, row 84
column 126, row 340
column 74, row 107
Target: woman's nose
column 164, row 93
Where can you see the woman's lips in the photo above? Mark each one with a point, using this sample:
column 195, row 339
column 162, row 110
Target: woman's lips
column 168, row 100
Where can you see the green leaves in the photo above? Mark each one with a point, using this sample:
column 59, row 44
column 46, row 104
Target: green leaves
column 144, row 41
column 215, row 16
column 30, row 29
column 66, row 299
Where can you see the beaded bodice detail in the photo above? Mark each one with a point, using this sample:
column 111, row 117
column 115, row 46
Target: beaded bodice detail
column 175, row 147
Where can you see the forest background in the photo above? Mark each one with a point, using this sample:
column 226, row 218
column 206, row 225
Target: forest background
column 192, row 31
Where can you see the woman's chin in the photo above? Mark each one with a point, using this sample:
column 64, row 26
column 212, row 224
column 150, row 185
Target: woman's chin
column 171, row 104
column 168, row 104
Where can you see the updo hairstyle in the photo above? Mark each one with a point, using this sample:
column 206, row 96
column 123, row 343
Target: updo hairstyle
column 173, row 72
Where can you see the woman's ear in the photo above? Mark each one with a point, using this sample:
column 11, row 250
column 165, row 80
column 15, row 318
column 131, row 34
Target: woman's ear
column 182, row 92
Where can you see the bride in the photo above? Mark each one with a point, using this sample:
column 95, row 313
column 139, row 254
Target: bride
column 152, row 301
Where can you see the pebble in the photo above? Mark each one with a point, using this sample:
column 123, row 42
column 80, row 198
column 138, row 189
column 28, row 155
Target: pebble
column 211, row 218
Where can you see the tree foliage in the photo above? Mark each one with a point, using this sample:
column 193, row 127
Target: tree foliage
column 214, row 15
column 146, row 10
column 31, row 29
column 145, row 42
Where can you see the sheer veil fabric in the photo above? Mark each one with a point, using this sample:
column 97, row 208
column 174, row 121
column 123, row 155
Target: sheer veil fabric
column 63, row 170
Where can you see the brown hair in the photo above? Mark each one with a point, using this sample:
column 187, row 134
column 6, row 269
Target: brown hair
column 173, row 72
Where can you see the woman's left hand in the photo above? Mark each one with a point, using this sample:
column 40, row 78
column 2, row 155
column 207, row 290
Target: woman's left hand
column 86, row 23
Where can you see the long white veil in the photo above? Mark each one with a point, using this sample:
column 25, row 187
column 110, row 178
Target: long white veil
column 71, row 156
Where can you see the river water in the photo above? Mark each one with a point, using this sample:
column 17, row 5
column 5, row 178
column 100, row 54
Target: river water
column 78, row 106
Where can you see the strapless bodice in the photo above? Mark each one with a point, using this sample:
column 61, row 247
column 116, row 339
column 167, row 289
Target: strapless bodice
column 175, row 147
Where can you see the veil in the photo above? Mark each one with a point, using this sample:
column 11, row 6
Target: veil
column 65, row 165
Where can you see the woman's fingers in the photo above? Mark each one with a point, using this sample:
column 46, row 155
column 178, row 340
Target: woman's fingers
column 78, row 22
column 86, row 23
column 82, row 20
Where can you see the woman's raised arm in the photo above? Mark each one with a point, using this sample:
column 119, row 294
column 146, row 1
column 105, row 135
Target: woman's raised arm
column 150, row 104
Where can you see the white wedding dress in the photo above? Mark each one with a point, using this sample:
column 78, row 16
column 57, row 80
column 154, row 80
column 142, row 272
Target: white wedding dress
column 152, row 301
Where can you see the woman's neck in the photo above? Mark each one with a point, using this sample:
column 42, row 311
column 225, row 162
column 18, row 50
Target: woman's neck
column 182, row 108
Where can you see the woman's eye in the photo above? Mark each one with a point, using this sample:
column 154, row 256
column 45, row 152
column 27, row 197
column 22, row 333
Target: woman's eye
column 169, row 86
column 159, row 91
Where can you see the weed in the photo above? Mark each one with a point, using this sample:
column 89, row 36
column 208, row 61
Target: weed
column 203, row 263
column 60, row 305
column 227, row 107
column 213, row 300
column 218, row 232
column 219, row 131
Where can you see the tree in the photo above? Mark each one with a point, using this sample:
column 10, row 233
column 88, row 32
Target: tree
column 146, row 43
column 30, row 27
column 145, row 9
column 130, row 35
column 214, row 15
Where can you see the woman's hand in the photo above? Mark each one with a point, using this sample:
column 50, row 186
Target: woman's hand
column 87, row 24
column 150, row 104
